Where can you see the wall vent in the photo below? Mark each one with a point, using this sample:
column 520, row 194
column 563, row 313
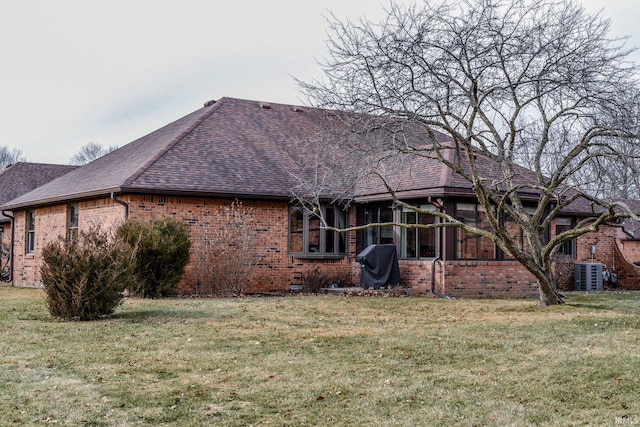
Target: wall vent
column 588, row 277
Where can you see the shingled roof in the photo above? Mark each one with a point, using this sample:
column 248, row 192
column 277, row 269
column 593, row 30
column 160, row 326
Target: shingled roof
column 22, row 177
column 232, row 148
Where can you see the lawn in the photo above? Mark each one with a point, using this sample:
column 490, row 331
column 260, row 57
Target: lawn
column 323, row 360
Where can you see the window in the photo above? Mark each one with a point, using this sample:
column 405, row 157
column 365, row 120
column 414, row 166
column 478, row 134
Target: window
column 72, row 220
column 417, row 242
column 31, row 231
column 308, row 238
column 377, row 235
column 470, row 245
column 568, row 248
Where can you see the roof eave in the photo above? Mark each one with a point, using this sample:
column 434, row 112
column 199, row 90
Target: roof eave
column 59, row 199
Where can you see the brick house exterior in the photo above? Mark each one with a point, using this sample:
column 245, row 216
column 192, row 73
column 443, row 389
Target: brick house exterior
column 16, row 180
column 240, row 150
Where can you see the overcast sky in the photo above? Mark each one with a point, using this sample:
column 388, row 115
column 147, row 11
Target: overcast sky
column 77, row 71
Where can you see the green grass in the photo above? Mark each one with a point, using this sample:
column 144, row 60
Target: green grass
column 323, row 360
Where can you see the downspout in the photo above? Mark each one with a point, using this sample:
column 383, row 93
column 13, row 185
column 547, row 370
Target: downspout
column 123, row 203
column 439, row 205
column 433, row 279
column 9, row 214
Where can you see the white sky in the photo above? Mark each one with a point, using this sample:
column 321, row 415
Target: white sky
column 78, row 71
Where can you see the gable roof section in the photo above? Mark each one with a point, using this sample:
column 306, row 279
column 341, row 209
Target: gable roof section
column 23, row 177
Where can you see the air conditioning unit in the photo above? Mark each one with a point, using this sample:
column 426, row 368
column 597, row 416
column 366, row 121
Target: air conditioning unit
column 588, row 277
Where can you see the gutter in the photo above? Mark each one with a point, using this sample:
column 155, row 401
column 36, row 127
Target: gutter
column 123, row 203
column 9, row 214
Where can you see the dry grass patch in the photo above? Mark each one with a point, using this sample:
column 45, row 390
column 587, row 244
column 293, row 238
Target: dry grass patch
column 323, row 360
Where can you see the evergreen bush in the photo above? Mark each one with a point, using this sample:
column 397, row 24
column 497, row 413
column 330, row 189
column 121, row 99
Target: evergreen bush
column 84, row 278
column 161, row 250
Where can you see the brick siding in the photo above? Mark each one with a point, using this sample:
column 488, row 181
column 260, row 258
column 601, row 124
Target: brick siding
column 628, row 272
column 51, row 223
column 278, row 270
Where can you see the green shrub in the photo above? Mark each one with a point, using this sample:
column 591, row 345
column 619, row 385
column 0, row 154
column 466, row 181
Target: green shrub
column 84, row 278
column 161, row 251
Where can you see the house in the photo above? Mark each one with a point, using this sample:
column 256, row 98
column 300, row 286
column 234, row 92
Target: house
column 16, row 180
column 239, row 149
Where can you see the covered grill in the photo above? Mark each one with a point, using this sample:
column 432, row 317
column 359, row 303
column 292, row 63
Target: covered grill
column 379, row 266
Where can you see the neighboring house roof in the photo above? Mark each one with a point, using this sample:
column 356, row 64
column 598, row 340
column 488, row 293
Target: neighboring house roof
column 22, row 177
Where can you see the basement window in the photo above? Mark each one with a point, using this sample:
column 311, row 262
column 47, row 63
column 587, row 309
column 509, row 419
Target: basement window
column 307, row 237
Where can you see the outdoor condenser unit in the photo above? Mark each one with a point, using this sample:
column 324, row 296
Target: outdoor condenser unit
column 588, row 277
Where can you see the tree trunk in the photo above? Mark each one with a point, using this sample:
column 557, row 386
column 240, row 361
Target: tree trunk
column 549, row 293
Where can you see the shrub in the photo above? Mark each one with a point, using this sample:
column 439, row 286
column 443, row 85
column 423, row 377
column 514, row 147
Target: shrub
column 84, row 278
column 229, row 250
column 161, row 251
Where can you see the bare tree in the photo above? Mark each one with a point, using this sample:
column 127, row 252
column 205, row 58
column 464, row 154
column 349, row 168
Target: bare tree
column 9, row 156
column 504, row 82
column 228, row 251
column 90, row 152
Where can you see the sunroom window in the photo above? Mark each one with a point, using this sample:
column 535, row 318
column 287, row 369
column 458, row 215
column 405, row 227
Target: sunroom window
column 514, row 230
column 377, row 235
column 417, row 242
column 470, row 245
column 307, row 237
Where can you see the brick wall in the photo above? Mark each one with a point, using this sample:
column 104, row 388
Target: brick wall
column 276, row 271
column 630, row 249
column 417, row 274
column 50, row 224
column 603, row 241
column 628, row 272
column 488, row 279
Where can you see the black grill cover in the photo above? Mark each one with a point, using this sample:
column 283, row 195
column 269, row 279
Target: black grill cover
column 379, row 266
